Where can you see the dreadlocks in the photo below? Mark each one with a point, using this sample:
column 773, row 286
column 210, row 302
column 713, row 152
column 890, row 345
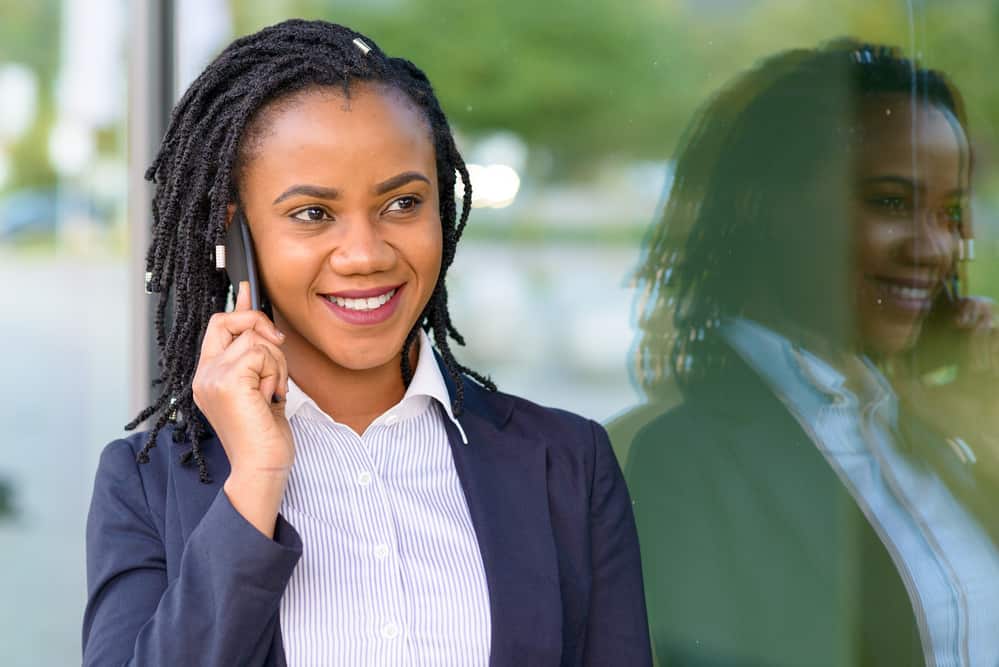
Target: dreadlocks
column 196, row 173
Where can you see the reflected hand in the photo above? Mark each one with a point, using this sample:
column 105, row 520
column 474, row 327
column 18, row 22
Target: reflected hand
column 959, row 400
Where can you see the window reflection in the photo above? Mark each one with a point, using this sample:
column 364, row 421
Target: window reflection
column 823, row 492
column 7, row 510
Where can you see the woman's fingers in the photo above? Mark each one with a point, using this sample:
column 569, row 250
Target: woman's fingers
column 223, row 328
column 973, row 312
column 975, row 320
column 242, row 297
column 259, row 362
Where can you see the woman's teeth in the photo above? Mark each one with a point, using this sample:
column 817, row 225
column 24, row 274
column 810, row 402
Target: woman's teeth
column 371, row 303
column 914, row 293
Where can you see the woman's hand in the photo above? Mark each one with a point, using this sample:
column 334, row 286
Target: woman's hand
column 962, row 341
column 240, row 386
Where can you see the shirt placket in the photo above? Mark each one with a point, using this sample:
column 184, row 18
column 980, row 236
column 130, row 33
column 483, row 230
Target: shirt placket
column 391, row 623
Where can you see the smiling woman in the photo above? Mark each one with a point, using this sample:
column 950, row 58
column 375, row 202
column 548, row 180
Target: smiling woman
column 341, row 198
column 359, row 497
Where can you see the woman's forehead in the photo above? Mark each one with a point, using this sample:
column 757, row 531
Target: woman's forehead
column 897, row 131
column 373, row 127
column 336, row 109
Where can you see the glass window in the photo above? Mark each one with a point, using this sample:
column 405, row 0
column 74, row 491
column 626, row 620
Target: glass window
column 65, row 316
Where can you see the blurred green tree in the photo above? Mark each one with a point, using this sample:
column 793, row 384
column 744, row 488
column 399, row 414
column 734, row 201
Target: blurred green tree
column 29, row 36
column 591, row 81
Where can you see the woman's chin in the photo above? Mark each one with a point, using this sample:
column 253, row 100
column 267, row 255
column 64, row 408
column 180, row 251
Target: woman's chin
column 889, row 339
column 359, row 361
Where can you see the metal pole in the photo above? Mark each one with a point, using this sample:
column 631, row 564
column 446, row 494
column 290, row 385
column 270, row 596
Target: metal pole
column 150, row 97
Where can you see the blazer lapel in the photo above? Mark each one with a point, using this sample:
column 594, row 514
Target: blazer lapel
column 504, row 478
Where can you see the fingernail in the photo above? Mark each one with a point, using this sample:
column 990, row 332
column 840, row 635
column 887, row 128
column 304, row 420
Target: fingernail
column 279, row 334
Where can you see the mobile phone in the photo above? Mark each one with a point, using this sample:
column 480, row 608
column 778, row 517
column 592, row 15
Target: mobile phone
column 240, row 260
column 940, row 350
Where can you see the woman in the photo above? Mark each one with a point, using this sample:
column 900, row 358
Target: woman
column 356, row 497
column 809, row 252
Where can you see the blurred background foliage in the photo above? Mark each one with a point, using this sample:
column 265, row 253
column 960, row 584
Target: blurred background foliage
column 29, row 36
column 600, row 79
column 591, row 89
column 585, row 85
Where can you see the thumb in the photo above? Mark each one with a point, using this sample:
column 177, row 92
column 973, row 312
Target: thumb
column 243, row 297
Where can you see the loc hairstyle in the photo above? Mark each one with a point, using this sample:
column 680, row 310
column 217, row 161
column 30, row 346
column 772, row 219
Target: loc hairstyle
column 196, row 173
column 752, row 199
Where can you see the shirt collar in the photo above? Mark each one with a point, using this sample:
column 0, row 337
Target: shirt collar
column 763, row 348
column 427, row 384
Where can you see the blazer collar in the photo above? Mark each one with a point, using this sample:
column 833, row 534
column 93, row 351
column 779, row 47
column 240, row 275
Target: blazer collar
column 504, row 477
column 495, row 408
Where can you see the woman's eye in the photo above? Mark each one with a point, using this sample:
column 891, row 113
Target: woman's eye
column 955, row 214
column 311, row 214
column 404, row 204
column 892, row 205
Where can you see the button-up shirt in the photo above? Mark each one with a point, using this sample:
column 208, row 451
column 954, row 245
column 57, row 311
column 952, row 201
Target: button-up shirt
column 391, row 572
column 948, row 563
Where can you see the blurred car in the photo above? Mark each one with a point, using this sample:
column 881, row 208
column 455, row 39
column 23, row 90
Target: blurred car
column 37, row 213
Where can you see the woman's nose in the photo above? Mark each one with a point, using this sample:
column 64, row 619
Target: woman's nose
column 361, row 250
column 933, row 240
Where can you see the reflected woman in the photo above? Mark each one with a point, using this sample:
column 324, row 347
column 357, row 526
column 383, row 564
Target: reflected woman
column 793, row 510
column 323, row 482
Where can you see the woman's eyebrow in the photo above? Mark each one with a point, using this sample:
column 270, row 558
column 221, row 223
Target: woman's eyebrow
column 398, row 181
column 317, row 191
column 900, row 181
column 909, row 184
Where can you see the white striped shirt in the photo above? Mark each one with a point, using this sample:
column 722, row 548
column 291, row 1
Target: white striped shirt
column 391, row 572
column 949, row 565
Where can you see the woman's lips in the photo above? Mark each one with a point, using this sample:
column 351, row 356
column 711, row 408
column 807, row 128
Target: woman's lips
column 364, row 307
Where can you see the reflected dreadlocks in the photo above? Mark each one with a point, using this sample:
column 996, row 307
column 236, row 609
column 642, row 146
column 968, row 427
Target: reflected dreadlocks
column 723, row 237
column 211, row 132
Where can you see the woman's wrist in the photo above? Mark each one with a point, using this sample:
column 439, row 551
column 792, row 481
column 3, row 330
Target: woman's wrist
column 257, row 497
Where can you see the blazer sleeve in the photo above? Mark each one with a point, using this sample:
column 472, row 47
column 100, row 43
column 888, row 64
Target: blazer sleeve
column 617, row 630
column 222, row 607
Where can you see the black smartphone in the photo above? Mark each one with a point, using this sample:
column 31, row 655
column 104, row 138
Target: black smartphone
column 240, row 260
column 241, row 264
column 941, row 351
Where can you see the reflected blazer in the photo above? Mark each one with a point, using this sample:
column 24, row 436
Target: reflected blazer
column 175, row 576
column 754, row 552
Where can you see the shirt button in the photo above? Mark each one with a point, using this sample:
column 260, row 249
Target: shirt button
column 392, row 420
column 364, row 478
column 390, row 631
column 381, row 551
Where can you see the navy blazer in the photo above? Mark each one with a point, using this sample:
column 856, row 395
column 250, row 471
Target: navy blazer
column 176, row 576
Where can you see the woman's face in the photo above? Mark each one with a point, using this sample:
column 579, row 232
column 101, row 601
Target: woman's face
column 912, row 181
column 342, row 202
